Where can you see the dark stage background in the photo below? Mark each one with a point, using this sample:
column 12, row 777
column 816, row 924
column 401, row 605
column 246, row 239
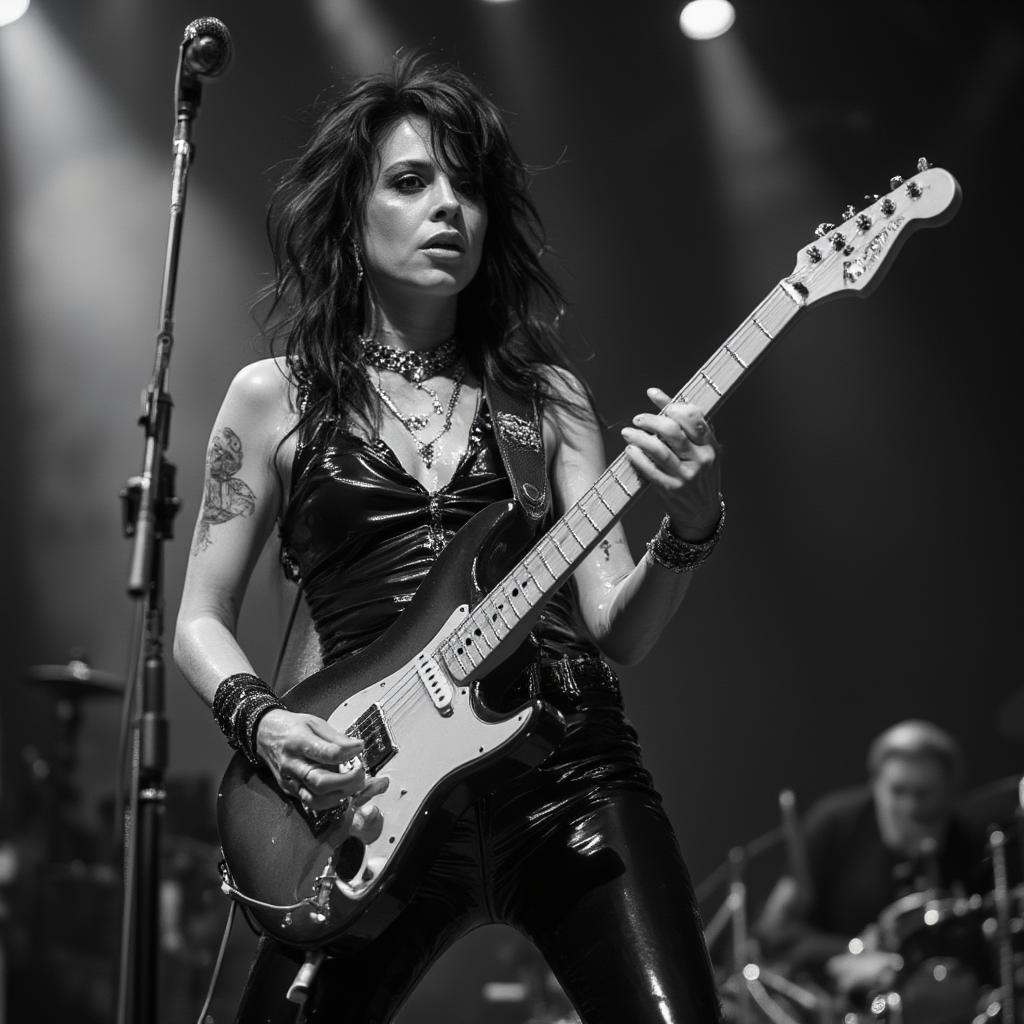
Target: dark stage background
column 869, row 569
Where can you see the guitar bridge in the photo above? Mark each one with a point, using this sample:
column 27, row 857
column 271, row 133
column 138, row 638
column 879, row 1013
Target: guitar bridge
column 378, row 747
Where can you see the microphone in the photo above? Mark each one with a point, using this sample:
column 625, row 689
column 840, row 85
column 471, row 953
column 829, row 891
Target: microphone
column 206, row 49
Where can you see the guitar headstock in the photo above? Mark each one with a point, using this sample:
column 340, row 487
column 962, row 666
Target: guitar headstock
column 853, row 256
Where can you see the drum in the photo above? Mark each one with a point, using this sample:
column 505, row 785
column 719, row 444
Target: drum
column 946, row 959
column 928, row 925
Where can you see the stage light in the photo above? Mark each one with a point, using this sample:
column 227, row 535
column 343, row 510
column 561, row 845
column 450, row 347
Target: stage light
column 706, row 19
column 12, row 10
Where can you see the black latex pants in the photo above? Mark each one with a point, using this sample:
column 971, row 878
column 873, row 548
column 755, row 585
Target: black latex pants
column 579, row 857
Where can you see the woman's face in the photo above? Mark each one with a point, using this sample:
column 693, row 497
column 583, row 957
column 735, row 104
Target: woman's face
column 423, row 230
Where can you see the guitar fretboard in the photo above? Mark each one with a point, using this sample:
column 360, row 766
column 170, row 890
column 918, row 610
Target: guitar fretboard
column 551, row 561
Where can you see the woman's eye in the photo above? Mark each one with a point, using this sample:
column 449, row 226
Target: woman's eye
column 469, row 187
column 408, row 183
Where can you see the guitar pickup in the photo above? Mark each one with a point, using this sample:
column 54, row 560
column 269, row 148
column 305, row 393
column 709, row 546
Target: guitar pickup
column 435, row 682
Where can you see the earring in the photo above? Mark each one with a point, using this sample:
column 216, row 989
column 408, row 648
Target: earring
column 359, row 264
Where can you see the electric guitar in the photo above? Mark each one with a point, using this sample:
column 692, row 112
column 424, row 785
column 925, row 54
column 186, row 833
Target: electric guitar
column 414, row 696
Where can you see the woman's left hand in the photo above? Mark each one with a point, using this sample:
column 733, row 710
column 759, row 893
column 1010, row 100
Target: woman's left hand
column 676, row 452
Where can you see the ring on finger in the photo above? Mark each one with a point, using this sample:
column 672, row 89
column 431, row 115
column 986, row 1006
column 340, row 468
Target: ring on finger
column 305, row 775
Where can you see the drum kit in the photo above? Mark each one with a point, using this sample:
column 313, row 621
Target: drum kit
column 60, row 881
column 935, row 956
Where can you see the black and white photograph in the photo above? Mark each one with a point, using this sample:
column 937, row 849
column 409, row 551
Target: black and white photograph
column 399, row 624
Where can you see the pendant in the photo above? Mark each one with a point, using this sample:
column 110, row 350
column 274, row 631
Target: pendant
column 434, row 400
column 426, row 453
column 435, row 541
column 417, row 422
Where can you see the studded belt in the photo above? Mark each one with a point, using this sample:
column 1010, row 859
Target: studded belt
column 563, row 681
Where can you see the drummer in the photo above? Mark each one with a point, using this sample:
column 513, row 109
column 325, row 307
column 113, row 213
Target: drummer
column 866, row 847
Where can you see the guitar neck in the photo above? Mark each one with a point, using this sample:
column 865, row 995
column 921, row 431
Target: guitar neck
column 550, row 562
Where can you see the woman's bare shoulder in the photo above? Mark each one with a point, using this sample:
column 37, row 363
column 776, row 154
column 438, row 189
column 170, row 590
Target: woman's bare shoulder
column 263, row 394
column 263, row 385
column 564, row 383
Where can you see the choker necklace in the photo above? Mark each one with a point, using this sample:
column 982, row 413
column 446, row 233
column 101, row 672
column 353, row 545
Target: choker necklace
column 415, row 367
column 413, row 424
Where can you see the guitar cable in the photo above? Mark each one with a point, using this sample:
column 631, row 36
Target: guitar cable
column 217, row 965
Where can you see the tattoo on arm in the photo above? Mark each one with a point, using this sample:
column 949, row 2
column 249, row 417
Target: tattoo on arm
column 226, row 497
column 606, row 547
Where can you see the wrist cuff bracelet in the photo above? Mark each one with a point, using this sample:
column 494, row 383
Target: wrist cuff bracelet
column 239, row 703
column 670, row 551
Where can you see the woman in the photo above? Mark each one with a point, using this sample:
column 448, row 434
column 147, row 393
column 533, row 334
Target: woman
column 410, row 295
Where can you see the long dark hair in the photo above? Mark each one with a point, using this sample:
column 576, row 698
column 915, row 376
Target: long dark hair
column 508, row 314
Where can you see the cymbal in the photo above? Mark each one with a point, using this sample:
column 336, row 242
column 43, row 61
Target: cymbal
column 75, row 679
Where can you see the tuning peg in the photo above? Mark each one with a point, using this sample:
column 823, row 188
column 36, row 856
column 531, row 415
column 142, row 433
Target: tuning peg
column 922, row 163
column 837, row 240
column 850, row 211
column 823, row 229
column 863, row 222
column 913, row 189
column 888, row 207
column 895, row 181
column 813, row 254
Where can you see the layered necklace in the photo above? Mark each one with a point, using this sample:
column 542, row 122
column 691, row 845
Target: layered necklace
column 416, row 367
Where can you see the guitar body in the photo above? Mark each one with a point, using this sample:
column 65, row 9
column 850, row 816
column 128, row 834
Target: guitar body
column 323, row 886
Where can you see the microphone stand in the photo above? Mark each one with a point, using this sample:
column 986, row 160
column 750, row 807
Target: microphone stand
column 149, row 506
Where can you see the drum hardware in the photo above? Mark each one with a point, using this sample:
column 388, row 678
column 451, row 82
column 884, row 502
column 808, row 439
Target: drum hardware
column 887, row 1007
column 755, row 991
column 796, row 848
column 1003, row 931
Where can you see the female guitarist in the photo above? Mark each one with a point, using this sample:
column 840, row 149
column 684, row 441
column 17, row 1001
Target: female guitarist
column 420, row 372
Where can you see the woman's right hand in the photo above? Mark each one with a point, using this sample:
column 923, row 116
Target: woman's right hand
column 315, row 763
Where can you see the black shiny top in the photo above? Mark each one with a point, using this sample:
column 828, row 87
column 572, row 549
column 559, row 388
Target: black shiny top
column 361, row 534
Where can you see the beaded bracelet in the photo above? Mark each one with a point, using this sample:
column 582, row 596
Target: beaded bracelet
column 239, row 703
column 672, row 552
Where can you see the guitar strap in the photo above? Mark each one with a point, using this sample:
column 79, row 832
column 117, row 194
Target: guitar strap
column 519, row 431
